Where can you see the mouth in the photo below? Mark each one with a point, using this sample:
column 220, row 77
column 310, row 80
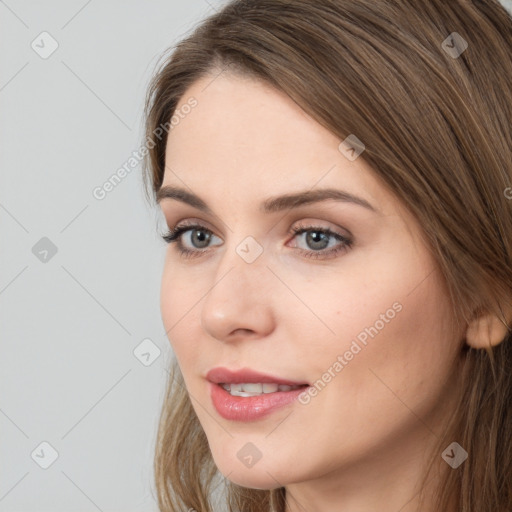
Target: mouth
column 251, row 401
column 249, row 395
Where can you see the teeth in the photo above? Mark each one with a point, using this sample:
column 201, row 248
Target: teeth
column 251, row 388
column 269, row 388
column 255, row 389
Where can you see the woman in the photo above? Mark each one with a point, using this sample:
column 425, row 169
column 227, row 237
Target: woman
column 335, row 177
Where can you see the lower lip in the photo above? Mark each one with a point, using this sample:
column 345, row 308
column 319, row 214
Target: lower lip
column 238, row 408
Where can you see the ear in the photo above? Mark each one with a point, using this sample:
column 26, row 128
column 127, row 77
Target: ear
column 487, row 330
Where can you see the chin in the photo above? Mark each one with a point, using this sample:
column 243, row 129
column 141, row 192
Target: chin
column 263, row 476
column 253, row 479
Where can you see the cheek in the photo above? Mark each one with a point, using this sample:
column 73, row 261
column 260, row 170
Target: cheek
column 169, row 297
column 395, row 377
column 180, row 290
column 388, row 312
column 180, row 312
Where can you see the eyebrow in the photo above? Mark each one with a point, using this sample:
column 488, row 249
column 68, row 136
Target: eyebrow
column 272, row 204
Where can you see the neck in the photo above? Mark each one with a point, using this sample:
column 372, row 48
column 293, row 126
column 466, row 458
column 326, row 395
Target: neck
column 387, row 480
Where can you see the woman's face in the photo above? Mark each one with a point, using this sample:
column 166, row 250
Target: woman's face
column 367, row 320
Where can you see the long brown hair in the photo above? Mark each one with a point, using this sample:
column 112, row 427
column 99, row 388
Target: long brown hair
column 426, row 85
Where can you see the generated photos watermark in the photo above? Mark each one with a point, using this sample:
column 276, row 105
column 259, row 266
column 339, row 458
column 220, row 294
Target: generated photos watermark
column 355, row 348
column 101, row 192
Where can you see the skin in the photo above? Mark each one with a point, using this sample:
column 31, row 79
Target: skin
column 360, row 444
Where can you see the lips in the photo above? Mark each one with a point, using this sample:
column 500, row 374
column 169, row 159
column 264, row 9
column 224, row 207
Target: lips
column 221, row 375
column 251, row 408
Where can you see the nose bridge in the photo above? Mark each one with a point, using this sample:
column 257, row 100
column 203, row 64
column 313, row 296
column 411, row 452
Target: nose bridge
column 244, row 262
column 239, row 297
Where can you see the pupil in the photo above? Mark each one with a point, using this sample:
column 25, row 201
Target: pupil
column 197, row 234
column 317, row 235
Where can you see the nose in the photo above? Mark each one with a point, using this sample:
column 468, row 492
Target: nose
column 239, row 302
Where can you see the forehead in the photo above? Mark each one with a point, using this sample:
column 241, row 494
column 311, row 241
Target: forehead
column 242, row 112
column 246, row 138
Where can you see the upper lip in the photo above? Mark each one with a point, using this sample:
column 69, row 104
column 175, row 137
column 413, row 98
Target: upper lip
column 221, row 375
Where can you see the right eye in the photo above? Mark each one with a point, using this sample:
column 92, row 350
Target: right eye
column 198, row 235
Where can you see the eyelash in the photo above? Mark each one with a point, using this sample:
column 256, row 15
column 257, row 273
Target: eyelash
column 174, row 236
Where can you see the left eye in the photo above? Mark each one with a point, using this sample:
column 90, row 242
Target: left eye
column 317, row 238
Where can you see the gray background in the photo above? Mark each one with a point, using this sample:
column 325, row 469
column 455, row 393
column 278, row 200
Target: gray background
column 70, row 323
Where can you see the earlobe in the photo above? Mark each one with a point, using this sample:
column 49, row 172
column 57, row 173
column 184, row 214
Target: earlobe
column 487, row 330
